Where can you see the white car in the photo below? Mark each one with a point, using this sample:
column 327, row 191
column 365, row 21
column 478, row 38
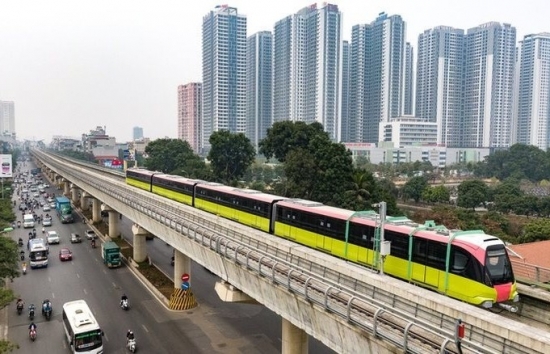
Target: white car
column 46, row 207
column 53, row 237
column 90, row 234
column 47, row 221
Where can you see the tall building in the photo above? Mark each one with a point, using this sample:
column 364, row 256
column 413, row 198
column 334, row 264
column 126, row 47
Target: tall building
column 345, row 136
column 533, row 95
column 137, row 133
column 189, row 114
column 7, row 118
column 439, row 82
column 259, row 77
column 377, row 71
column 488, row 85
column 307, row 76
column 223, row 72
column 408, row 94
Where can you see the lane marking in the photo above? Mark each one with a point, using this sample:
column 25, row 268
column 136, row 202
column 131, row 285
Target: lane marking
column 145, row 328
column 85, row 292
column 77, row 275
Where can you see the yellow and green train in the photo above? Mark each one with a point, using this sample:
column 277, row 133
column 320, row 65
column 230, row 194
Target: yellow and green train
column 470, row 266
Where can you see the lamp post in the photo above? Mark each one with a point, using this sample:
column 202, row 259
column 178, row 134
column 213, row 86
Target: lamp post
column 382, row 212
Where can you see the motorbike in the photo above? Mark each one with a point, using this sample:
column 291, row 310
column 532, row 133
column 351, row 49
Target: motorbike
column 93, row 243
column 124, row 304
column 31, row 313
column 22, row 254
column 19, row 224
column 47, row 313
column 32, row 334
column 20, row 242
column 131, row 345
column 24, row 269
column 20, row 308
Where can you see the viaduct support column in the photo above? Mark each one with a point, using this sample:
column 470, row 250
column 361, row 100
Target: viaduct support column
column 74, row 193
column 113, row 223
column 182, row 264
column 140, row 246
column 294, row 339
column 83, row 202
column 96, row 210
column 66, row 188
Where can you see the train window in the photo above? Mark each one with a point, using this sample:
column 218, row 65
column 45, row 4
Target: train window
column 399, row 244
column 436, row 255
column 361, row 235
column 464, row 264
column 419, row 251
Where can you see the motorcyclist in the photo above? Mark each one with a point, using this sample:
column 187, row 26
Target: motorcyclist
column 20, row 241
column 20, row 304
column 31, row 309
column 122, row 298
column 129, row 336
column 46, row 306
column 32, row 326
column 43, row 230
column 24, row 267
column 22, row 254
column 93, row 243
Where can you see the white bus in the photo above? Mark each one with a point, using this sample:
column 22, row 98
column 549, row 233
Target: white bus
column 81, row 328
column 38, row 253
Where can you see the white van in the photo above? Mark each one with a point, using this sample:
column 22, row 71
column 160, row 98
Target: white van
column 28, row 221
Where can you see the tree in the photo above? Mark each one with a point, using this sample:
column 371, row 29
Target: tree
column 520, row 161
column 358, row 196
column 536, row 230
column 230, row 155
column 472, row 193
column 172, row 156
column 414, row 188
column 286, row 136
column 437, row 194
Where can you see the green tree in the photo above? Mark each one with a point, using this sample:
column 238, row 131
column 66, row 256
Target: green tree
column 358, row 197
column 437, row 194
column 286, row 136
column 301, row 172
column 472, row 193
column 167, row 155
column 414, row 188
column 536, row 230
column 230, row 155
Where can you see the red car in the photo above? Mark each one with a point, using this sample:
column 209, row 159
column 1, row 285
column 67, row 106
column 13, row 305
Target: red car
column 65, row 254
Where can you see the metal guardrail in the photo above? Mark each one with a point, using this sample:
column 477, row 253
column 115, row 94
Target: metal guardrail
column 361, row 295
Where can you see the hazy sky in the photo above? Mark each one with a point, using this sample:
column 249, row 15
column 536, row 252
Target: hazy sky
column 71, row 65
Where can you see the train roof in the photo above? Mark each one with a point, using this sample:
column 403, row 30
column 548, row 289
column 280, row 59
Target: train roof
column 143, row 171
column 248, row 193
column 177, row 178
column 401, row 224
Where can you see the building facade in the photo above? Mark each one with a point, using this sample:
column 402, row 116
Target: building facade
column 7, row 118
column 307, row 70
column 488, row 85
column 377, row 76
column 440, row 81
column 344, row 115
column 408, row 131
column 533, row 91
column 223, row 72
column 259, row 86
column 408, row 93
column 137, row 133
column 189, row 114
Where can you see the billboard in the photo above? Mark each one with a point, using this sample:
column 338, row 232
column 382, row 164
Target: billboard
column 6, row 165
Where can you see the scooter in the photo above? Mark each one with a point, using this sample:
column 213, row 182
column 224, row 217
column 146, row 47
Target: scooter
column 124, row 305
column 22, row 255
column 31, row 314
column 32, row 334
column 131, row 345
column 20, row 309
column 93, row 243
column 24, row 270
column 20, row 242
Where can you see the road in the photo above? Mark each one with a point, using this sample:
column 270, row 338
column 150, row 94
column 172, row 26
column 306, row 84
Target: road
column 213, row 327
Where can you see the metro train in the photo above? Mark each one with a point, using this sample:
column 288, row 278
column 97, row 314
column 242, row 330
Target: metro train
column 470, row 266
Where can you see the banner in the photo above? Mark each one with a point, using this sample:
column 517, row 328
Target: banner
column 6, row 166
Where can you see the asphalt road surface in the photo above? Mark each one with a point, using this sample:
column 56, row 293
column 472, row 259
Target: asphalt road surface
column 213, row 327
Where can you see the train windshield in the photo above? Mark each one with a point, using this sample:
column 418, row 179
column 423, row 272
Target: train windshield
column 498, row 265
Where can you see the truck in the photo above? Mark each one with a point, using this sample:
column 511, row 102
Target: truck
column 64, row 209
column 110, row 252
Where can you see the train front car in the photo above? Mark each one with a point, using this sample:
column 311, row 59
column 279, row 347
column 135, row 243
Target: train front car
column 500, row 276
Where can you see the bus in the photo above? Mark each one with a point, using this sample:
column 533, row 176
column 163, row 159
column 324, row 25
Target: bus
column 81, row 328
column 38, row 253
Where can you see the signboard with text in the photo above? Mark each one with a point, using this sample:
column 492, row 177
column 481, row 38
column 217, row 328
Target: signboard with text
column 6, row 160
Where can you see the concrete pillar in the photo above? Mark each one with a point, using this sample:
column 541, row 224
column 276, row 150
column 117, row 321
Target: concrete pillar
column 83, row 200
column 294, row 339
column 66, row 188
column 96, row 210
column 113, row 223
column 182, row 264
column 74, row 193
column 140, row 243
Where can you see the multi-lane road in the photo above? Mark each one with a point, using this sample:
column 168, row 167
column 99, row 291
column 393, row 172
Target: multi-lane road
column 212, row 327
